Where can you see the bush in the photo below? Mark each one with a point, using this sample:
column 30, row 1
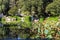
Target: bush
column 13, row 11
column 54, row 8
column 12, row 22
column 26, row 22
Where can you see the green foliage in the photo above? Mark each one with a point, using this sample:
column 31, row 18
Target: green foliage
column 26, row 22
column 0, row 2
column 30, row 6
column 13, row 11
column 26, row 13
column 1, row 32
column 53, row 18
column 2, row 7
column 12, row 22
column 54, row 7
column 41, row 19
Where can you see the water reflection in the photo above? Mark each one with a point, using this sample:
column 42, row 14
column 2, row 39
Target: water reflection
column 1, row 25
column 1, row 15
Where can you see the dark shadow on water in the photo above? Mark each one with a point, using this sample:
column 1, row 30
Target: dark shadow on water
column 27, row 39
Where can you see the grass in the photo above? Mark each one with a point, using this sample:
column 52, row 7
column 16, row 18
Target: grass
column 49, row 19
column 53, row 18
column 41, row 20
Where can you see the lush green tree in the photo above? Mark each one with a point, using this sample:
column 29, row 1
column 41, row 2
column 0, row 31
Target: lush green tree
column 32, row 6
column 54, row 8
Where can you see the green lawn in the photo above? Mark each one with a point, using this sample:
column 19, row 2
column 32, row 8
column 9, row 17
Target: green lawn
column 49, row 19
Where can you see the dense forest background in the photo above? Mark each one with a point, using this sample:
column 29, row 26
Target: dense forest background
column 33, row 7
column 31, row 18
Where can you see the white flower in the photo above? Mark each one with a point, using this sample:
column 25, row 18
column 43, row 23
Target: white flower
column 8, row 19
